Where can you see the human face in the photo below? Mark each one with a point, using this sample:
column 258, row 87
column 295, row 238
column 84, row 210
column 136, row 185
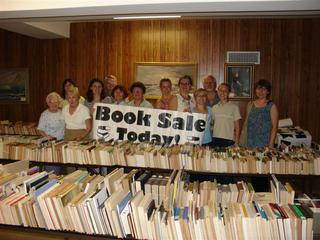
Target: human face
column 223, row 93
column 110, row 84
column 96, row 88
column 262, row 92
column 166, row 88
column 209, row 84
column 53, row 104
column 118, row 95
column 137, row 94
column 184, row 86
column 67, row 86
column 73, row 100
column 201, row 98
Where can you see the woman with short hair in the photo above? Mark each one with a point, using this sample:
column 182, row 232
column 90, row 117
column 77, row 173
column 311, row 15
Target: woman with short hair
column 138, row 90
column 184, row 101
column 51, row 124
column 77, row 118
column 200, row 96
column 119, row 94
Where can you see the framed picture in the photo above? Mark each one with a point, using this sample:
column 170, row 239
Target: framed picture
column 150, row 74
column 240, row 78
column 14, row 83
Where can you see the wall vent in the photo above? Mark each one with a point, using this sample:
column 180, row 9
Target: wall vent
column 243, row 57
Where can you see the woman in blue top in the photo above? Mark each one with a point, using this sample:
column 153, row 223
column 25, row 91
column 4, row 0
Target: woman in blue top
column 200, row 96
column 263, row 118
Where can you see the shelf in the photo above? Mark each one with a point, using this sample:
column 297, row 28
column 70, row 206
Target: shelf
column 164, row 170
column 63, row 234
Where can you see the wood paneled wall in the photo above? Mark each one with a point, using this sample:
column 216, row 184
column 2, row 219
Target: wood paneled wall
column 289, row 49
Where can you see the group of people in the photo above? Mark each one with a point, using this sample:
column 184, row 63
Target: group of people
column 69, row 116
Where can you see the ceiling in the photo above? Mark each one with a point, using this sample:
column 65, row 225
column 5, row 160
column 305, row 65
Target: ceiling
column 52, row 18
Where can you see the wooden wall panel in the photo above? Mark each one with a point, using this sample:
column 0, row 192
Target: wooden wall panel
column 289, row 58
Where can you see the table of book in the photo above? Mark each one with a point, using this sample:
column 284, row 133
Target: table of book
column 304, row 182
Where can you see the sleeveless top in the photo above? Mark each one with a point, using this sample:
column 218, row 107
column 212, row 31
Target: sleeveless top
column 184, row 103
column 259, row 126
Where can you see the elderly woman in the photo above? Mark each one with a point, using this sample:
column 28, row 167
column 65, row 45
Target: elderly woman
column 119, row 94
column 184, row 101
column 96, row 94
column 67, row 84
column 167, row 97
column 200, row 96
column 77, row 118
column 262, row 121
column 51, row 123
column 138, row 90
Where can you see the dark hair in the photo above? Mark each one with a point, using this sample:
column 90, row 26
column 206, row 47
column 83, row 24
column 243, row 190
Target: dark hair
column 90, row 92
column 67, row 80
column 265, row 84
column 122, row 89
column 225, row 84
column 186, row 77
column 138, row 85
column 163, row 80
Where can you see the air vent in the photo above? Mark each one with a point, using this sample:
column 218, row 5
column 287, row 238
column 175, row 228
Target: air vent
column 243, row 57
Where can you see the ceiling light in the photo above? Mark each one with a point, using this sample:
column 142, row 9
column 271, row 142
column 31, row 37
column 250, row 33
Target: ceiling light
column 147, row 17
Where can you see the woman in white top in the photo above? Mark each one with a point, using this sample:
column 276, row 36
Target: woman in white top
column 51, row 123
column 77, row 118
column 226, row 119
column 184, row 102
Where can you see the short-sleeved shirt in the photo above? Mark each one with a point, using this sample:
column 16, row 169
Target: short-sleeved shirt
column 52, row 123
column 224, row 116
column 77, row 120
column 144, row 103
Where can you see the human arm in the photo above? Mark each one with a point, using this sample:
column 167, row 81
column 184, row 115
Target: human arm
column 274, row 122
column 87, row 130
column 43, row 134
column 237, row 131
column 173, row 104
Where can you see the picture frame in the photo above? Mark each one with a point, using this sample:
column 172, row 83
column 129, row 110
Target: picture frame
column 150, row 74
column 14, row 85
column 240, row 77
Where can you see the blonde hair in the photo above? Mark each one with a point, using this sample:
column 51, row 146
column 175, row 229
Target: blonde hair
column 198, row 91
column 73, row 91
column 53, row 95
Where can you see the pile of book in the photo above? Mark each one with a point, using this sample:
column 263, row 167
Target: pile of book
column 123, row 205
column 191, row 157
column 22, row 128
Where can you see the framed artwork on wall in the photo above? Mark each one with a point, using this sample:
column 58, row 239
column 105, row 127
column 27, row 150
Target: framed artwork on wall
column 14, row 84
column 150, row 74
column 240, row 78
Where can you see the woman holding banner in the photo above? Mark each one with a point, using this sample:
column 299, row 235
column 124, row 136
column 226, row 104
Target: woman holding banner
column 138, row 90
column 200, row 96
column 167, row 97
column 184, row 102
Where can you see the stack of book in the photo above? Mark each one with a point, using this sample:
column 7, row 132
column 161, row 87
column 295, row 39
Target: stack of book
column 145, row 205
column 21, row 128
column 191, row 157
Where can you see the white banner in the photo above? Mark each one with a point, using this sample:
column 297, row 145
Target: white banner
column 118, row 122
